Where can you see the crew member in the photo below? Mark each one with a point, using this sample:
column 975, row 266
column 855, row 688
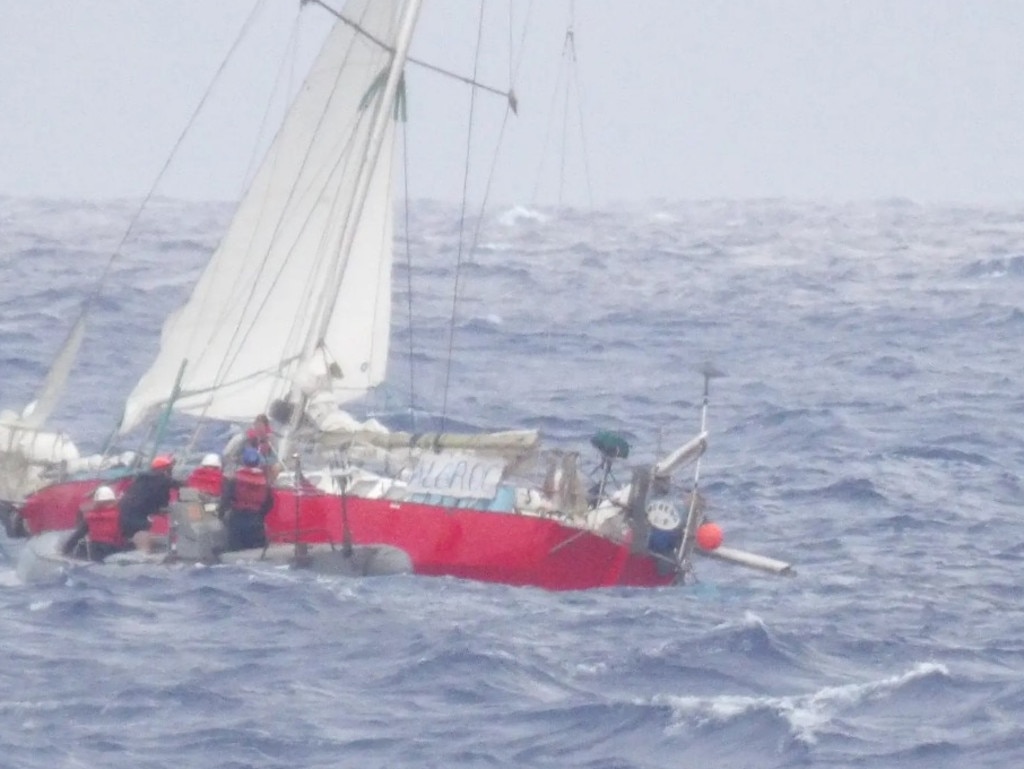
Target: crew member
column 148, row 495
column 245, row 502
column 208, row 478
column 262, row 432
column 259, row 436
column 104, row 522
column 100, row 520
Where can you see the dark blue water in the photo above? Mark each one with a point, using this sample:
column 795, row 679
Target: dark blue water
column 869, row 430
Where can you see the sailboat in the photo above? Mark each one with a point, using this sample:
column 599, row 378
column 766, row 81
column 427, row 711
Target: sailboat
column 291, row 317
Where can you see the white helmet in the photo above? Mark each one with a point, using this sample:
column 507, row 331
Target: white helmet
column 103, row 494
column 211, row 460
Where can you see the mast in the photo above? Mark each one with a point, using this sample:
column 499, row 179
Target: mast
column 329, row 295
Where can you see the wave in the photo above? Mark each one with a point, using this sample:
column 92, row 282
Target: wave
column 1001, row 267
column 869, row 427
column 806, row 716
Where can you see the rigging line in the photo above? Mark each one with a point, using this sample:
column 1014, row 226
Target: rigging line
column 509, row 95
column 487, row 189
column 565, row 139
column 408, row 270
column 586, row 153
column 548, row 128
column 492, row 171
column 522, row 40
column 583, row 136
column 174, row 150
column 462, row 221
column 568, row 48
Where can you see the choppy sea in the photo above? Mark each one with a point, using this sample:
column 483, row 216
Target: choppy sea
column 870, row 430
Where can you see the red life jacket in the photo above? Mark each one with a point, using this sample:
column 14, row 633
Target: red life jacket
column 250, row 489
column 207, row 480
column 259, row 437
column 104, row 524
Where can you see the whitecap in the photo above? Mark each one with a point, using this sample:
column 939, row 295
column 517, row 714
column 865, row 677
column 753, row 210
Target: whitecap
column 806, row 714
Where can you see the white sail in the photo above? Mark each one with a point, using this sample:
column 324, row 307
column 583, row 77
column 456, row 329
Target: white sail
column 26, row 449
column 39, row 410
column 242, row 333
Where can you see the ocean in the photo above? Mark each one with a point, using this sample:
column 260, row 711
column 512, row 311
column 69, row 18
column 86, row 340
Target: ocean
column 868, row 429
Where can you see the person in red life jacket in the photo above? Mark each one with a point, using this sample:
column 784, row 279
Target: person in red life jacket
column 261, row 435
column 148, row 495
column 208, row 478
column 100, row 521
column 104, row 523
column 245, row 502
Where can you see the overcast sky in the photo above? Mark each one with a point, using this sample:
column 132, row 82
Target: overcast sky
column 806, row 99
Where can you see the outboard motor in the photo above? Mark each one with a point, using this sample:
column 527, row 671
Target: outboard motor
column 197, row 534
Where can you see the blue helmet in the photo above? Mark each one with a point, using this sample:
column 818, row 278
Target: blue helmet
column 251, row 457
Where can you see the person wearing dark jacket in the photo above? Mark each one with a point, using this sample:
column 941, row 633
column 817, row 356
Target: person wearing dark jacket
column 245, row 502
column 149, row 494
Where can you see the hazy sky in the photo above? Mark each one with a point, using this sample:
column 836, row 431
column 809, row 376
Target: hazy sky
column 808, row 99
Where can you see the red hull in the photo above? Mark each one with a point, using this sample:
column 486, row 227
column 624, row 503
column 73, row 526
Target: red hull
column 55, row 507
column 471, row 544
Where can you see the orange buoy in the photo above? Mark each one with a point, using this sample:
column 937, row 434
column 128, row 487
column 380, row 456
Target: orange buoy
column 709, row 536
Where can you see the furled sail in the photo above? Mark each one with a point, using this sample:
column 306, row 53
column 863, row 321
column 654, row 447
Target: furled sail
column 242, row 339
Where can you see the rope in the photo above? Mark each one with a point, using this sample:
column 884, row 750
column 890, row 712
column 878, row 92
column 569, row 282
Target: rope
column 462, row 221
column 408, row 270
column 174, row 150
column 568, row 78
column 579, row 109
